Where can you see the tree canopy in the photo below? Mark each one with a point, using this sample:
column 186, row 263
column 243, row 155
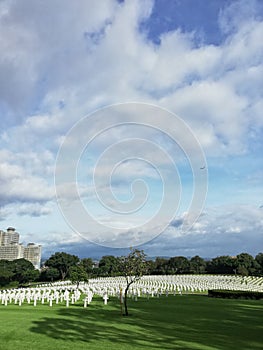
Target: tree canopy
column 133, row 267
column 78, row 274
column 19, row 270
column 62, row 262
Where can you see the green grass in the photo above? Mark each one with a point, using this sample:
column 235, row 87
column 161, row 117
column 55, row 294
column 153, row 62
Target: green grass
column 180, row 322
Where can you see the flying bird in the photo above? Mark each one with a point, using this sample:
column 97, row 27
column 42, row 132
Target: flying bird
column 203, row 167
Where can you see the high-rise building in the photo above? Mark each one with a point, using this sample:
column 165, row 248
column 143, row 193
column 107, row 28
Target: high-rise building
column 9, row 237
column 32, row 252
column 11, row 249
column 11, row 252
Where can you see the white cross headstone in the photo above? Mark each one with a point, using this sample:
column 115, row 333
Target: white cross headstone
column 105, row 298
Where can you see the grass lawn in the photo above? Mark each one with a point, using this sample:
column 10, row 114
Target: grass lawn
column 180, row 322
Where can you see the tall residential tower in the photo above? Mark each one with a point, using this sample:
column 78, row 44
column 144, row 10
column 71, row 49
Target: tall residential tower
column 11, row 249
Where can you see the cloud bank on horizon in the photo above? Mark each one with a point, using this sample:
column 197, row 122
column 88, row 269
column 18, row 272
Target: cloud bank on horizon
column 203, row 61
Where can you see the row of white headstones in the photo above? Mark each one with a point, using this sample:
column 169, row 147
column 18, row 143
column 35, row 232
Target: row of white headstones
column 147, row 286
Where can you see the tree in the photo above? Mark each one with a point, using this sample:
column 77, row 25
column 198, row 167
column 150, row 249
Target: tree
column 259, row 260
column 109, row 265
column 6, row 272
column 242, row 270
column 30, row 275
column 133, row 267
column 62, row 261
column 224, row 265
column 78, row 274
column 197, row 265
column 178, row 265
column 49, row 274
column 19, row 270
column 246, row 265
column 87, row 264
column 150, row 267
column 23, row 270
column 160, row 266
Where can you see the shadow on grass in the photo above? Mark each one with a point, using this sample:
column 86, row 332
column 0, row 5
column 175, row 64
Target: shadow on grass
column 188, row 322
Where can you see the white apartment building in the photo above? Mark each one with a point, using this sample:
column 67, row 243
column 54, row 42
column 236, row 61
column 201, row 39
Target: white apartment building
column 32, row 252
column 11, row 252
column 11, row 249
column 9, row 237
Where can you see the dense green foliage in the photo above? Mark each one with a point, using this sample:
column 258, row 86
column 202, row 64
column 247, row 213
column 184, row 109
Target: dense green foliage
column 19, row 271
column 77, row 274
column 108, row 266
column 58, row 267
column 62, row 262
column 180, row 322
column 243, row 264
column 235, row 294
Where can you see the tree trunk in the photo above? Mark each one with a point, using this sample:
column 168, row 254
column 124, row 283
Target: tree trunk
column 125, row 301
column 63, row 274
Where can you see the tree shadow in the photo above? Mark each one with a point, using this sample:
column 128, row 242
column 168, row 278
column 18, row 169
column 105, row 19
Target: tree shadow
column 98, row 323
column 154, row 324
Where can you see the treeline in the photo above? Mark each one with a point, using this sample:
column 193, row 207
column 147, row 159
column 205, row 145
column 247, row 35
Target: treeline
column 243, row 264
column 17, row 272
column 61, row 266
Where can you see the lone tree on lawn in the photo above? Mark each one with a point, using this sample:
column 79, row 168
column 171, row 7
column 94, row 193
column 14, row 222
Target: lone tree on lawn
column 78, row 274
column 133, row 266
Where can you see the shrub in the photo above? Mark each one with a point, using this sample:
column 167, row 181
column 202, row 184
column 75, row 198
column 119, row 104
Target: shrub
column 234, row 294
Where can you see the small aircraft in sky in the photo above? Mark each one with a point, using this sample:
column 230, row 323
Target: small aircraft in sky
column 203, row 167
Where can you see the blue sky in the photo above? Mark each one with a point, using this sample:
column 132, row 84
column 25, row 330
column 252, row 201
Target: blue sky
column 199, row 60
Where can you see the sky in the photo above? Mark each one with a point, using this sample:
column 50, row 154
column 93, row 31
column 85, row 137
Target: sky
column 132, row 123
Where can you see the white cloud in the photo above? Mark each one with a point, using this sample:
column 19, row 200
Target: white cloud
column 32, row 210
column 35, row 49
column 215, row 233
column 18, row 186
column 238, row 13
column 66, row 59
column 124, row 65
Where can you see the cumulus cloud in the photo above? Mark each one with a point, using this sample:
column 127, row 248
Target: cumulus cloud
column 65, row 60
column 33, row 210
column 18, row 186
column 214, row 233
column 36, row 48
column 239, row 13
column 192, row 81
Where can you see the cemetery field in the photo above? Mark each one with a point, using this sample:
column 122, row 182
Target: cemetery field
column 173, row 322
